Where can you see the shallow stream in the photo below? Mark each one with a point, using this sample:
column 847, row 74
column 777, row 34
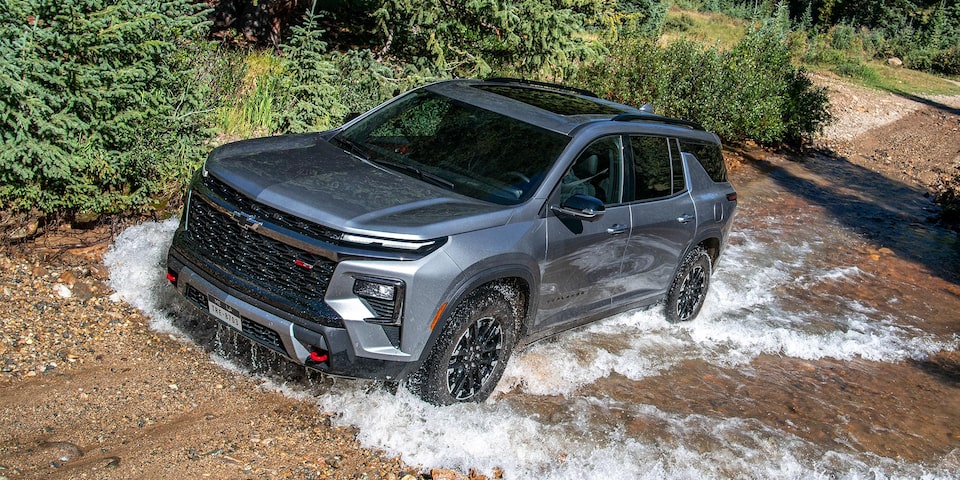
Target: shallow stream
column 826, row 349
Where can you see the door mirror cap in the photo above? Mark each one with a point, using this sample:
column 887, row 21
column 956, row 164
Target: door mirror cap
column 581, row 207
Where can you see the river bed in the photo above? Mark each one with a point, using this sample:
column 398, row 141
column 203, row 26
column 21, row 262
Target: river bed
column 826, row 349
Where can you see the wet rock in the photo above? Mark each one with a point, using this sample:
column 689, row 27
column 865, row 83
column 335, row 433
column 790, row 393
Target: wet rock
column 85, row 220
column 443, row 474
column 67, row 278
column 84, row 290
column 63, row 451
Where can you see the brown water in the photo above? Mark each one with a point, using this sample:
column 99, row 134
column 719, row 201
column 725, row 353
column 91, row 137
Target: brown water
column 827, row 349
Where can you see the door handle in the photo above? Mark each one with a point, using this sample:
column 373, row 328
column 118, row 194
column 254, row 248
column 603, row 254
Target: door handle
column 685, row 218
column 616, row 228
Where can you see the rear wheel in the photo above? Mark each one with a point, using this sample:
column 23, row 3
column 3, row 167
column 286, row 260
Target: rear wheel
column 472, row 351
column 689, row 288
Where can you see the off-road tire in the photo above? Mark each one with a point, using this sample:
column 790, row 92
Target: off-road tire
column 472, row 351
column 689, row 288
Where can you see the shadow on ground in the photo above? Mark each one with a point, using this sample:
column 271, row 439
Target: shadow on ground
column 887, row 213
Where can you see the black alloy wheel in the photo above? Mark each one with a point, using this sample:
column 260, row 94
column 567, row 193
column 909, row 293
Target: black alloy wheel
column 472, row 350
column 689, row 288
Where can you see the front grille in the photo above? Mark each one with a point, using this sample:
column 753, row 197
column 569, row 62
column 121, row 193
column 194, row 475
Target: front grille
column 269, row 269
column 253, row 330
column 270, row 214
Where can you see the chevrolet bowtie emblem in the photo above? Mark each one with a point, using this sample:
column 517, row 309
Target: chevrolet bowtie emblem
column 247, row 221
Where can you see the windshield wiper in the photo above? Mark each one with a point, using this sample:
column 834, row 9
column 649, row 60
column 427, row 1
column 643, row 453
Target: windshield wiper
column 352, row 147
column 422, row 175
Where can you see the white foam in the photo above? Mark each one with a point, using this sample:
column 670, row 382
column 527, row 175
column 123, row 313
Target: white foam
column 747, row 314
column 136, row 261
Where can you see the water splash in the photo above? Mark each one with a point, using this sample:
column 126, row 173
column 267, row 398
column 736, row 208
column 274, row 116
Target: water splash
column 767, row 298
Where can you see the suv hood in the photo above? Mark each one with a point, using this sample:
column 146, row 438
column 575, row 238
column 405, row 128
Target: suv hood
column 306, row 176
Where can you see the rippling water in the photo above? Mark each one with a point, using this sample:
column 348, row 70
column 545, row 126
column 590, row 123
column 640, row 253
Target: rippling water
column 796, row 367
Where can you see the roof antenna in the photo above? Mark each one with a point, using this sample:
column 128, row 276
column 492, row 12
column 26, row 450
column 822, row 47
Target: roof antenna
column 647, row 108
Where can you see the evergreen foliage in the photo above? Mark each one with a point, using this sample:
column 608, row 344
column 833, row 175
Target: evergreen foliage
column 100, row 102
column 477, row 37
column 308, row 83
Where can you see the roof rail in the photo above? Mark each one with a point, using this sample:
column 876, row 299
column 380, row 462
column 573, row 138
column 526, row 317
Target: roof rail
column 535, row 83
column 650, row 117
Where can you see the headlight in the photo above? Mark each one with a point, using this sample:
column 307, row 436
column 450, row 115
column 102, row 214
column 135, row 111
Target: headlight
column 383, row 296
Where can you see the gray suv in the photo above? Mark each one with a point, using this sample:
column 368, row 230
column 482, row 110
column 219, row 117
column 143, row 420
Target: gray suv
column 428, row 238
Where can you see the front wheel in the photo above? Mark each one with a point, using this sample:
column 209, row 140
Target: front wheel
column 689, row 287
column 471, row 353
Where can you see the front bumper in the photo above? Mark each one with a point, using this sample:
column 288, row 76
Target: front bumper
column 323, row 348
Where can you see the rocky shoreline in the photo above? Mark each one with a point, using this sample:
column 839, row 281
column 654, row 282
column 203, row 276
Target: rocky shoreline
column 90, row 390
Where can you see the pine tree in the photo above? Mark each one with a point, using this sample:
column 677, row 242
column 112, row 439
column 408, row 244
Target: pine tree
column 97, row 101
column 475, row 37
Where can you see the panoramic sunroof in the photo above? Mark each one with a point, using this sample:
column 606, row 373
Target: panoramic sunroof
column 556, row 102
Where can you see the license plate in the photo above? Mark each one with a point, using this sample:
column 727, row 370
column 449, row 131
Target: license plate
column 224, row 312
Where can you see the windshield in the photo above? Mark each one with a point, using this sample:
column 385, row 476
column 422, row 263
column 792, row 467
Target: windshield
column 457, row 146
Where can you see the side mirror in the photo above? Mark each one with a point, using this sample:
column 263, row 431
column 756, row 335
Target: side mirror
column 581, row 207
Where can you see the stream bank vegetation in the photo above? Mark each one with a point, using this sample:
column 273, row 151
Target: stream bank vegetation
column 108, row 106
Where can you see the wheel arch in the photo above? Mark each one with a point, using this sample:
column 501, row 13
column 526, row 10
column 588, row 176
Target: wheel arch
column 712, row 246
column 516, row 277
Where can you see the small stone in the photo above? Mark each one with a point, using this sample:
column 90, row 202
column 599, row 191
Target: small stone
column 64, row 451
column 443, row 474
column 62, row 290
column 334, row 461
column 68, row 278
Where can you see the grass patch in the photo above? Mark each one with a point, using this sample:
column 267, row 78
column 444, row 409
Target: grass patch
column 708, row 28
column 248, row 110
column 877, row 74
column 904, row 80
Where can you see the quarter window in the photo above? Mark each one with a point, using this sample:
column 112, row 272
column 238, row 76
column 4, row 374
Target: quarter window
column 658, row 170
column 710, row 156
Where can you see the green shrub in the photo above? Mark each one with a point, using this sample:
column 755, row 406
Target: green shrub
column 920, row 58
column 750, row 92
column 101, row 102
column 843, row 37
column 364, row 82
column 947, row 61
column 819, row 53
column 477, row 37
column 855, row 68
